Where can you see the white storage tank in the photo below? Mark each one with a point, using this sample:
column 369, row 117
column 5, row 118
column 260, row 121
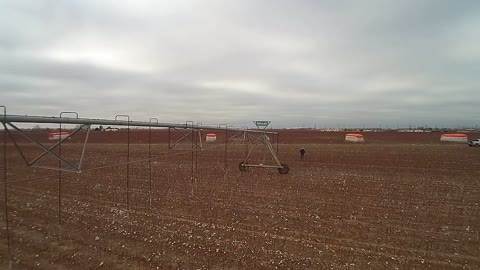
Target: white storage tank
column 354, row 137
column 454, row 137
column 211, row 137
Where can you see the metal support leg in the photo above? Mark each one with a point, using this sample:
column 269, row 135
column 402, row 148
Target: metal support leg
column 270, row 148
column 277, row 143
column 251, row 149
column 246, row 143
column 198, row 142
column 16, row 145
column 168, row 153
column 60, row 175
column 128, row 157
column 5, row 187
column 150, row 163
column 225, row 151
column 128, row 166
column 169, row 138
column 80, row 164
column 266, row 145
column 60, row 186
column 193, row 168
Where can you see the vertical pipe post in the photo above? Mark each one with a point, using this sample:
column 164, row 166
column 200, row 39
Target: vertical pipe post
column 128, row 164
column 192, row 133
column 225, row 152
column 150, row 166
column 128, row 157
column 7, row 224
column 277, row 143
column 264, row 144
column 60, row 174
column 193, row 155
column 150, row 163
column 246, row 143
column 60, row 180
column 169, row 138
column 226, row 148
column 60, row 177
column 168, row 154
column 199, row 148
column 197, row 142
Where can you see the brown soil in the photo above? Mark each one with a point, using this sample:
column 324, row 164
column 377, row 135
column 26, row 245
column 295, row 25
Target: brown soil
column 381, row 205
column 293, row 136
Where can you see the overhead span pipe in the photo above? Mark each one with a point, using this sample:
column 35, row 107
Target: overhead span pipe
column 88, row 121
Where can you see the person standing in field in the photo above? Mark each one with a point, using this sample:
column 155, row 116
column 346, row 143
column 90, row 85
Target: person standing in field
column 302, row 154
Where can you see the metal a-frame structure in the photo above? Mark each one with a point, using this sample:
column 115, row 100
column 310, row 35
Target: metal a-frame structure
column 262, row 140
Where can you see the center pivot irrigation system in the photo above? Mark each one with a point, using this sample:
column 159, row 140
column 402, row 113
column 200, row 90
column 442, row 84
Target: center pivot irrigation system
column 252, row 138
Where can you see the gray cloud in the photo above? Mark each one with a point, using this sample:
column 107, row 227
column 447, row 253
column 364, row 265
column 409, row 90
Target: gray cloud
column 295, row 62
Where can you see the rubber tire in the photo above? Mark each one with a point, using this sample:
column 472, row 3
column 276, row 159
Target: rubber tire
column 241, row 167
column 284, row 169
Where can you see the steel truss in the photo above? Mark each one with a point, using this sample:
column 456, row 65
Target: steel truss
column 263, row 140
column 33, row 163
column 188, row 131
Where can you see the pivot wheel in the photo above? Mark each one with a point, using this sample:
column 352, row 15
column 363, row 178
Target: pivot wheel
column 284, row 169
column 241, row 167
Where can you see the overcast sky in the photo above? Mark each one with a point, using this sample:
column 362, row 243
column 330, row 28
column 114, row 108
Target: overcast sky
column 297, row 63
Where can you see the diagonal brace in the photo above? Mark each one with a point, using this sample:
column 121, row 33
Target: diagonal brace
column 251, row 150
column 80, row 163
column 55, row 145
column 15, row 143
column 266, row 143
column 185, row 136
column 43, row 147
